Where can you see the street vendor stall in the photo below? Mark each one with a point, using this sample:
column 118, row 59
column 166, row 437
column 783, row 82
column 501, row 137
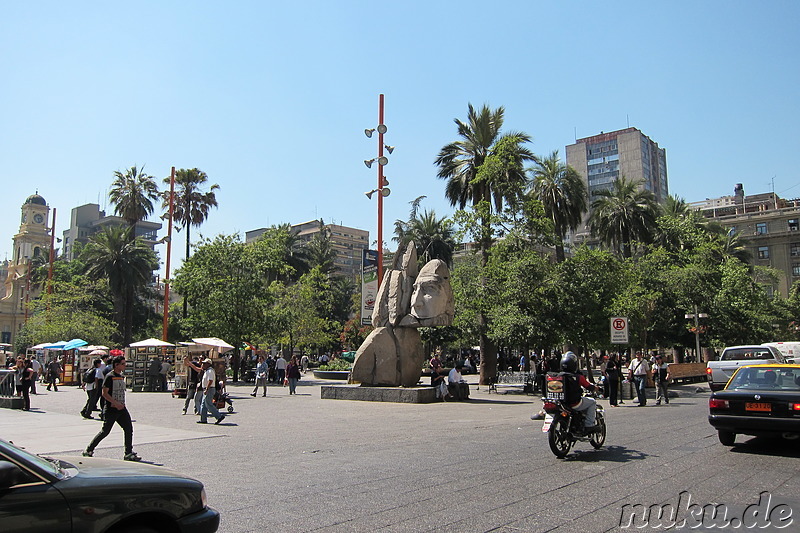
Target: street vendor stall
column 139, row 355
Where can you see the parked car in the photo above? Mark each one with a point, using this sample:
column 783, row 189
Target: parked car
column 761, row 400
column 93, row 495
column 720, row 371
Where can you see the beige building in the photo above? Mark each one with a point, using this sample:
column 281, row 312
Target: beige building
column 768, row 225
column 30, row 243
column 346, row 241
column 601, row 159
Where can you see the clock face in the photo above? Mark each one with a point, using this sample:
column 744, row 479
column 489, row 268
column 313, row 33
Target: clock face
column 38, row 218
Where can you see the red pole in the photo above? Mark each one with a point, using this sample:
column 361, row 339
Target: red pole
column 380, row 193
column 169, row 253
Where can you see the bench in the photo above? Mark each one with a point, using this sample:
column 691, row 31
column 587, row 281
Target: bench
column 525, row 380
column 687, row 372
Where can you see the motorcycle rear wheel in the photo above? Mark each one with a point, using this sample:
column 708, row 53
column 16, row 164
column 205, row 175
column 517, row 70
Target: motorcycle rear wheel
column 599, row 436
column 558, row 438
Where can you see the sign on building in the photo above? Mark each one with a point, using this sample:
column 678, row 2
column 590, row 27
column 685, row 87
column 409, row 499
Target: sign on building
column 619, row 330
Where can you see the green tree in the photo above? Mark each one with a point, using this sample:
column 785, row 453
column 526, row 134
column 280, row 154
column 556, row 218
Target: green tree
column 190, row 205
column 563, row 194
column 624, row 214
column 433, row 237
column 68, row 312
column 127, row 265
column 132, row 194
column 319, row 251
column 228, row 294
column 484, row 169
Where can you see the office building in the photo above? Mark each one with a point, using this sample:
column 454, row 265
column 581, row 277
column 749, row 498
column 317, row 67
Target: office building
column 628, row 153
column 768, row 226
column 88, row 219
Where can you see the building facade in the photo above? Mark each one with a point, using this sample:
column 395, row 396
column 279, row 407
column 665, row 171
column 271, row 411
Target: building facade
column 31, row 244
column 602, row 159
column 347, row 242
column 768, row 226
column 88, row 219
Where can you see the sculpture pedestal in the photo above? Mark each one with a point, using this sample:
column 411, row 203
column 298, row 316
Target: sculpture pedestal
column 379, row 394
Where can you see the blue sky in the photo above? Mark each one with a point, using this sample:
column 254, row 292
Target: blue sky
column 271, row 99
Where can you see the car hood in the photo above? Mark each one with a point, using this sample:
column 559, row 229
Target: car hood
column 113, row 468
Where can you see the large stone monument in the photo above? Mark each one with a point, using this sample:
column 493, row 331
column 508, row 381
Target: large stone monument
column 408, row 299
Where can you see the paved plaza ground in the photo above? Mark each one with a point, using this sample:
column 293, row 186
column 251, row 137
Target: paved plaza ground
column 300, row 463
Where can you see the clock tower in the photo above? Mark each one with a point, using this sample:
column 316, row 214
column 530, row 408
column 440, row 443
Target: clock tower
column 31, row 242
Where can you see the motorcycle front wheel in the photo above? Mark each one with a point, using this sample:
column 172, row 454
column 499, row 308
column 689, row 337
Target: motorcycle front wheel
column 599, row 436
column 559, row 438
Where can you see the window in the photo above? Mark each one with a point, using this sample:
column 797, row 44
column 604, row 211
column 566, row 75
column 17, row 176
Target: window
column 794, row 224
column 794, row 249
column 795, row 269
column 761, row 228
column 763, row 252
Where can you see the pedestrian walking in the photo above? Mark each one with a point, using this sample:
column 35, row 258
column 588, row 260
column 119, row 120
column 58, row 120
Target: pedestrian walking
column 611, row 373
column 116, row 412
column 280, row 368
column 293, row 375
column 638, row 371
column 193, row 390
column 93, row 387
column 262, row 369
column 208, row 381
column 154, row 374
column 36, row 366
column 304, row 363
column 53, row 374
column 661, row 379
column 163, row 375
column 22, row 380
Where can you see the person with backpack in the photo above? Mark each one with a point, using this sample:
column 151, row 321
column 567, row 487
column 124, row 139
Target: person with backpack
column 91, row 385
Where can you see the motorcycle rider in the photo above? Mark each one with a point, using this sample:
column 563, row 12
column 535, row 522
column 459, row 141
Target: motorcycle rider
column 573, row 381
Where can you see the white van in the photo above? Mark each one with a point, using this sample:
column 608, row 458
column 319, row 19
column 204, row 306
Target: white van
column 790, row 350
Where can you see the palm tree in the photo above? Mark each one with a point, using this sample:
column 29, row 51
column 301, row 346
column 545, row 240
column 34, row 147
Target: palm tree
column 624, row 214
column 434, row 237
column 127, row 264
column 319, row 251
column 133, row 193
column 190, row 205
column 563, row 194
column 483, row 167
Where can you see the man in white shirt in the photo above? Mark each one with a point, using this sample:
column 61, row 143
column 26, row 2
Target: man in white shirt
column 37, row 370
column 456, row 385
column 638, row 371
column 209, row 384
column 280, row 367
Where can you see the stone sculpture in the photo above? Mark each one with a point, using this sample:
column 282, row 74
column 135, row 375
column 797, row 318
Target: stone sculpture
column 407, row 299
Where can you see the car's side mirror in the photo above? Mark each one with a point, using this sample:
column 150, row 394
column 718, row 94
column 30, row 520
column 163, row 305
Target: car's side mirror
column 10, row 474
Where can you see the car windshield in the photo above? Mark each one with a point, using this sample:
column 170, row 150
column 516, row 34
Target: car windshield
column 743, row 354
column 766, row 378
column 51, row 466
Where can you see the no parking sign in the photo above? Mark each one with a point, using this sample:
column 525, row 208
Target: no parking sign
column 619, row 330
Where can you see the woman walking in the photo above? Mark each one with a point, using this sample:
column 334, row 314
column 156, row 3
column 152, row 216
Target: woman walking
column 292, row 374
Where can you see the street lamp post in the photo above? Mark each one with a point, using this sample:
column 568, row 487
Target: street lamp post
column 382, row 188
column 696, row 316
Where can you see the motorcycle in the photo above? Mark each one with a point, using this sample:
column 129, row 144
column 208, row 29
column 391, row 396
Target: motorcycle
column 565, row 426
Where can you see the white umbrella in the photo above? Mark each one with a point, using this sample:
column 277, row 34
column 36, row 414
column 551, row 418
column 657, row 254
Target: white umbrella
column 150, row 342
column 40, row 346
column 98, row 352
column 214, row 342
column 93, row 347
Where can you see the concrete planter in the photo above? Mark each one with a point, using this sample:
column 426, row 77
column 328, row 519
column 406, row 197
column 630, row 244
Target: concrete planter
column 332, row 374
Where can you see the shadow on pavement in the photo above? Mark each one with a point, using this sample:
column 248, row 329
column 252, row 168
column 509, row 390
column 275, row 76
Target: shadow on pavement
column 770, row 446
column 616, row 454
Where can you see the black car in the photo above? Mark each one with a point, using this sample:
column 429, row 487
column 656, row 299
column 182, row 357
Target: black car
column 760, row 400
column 93, row 495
